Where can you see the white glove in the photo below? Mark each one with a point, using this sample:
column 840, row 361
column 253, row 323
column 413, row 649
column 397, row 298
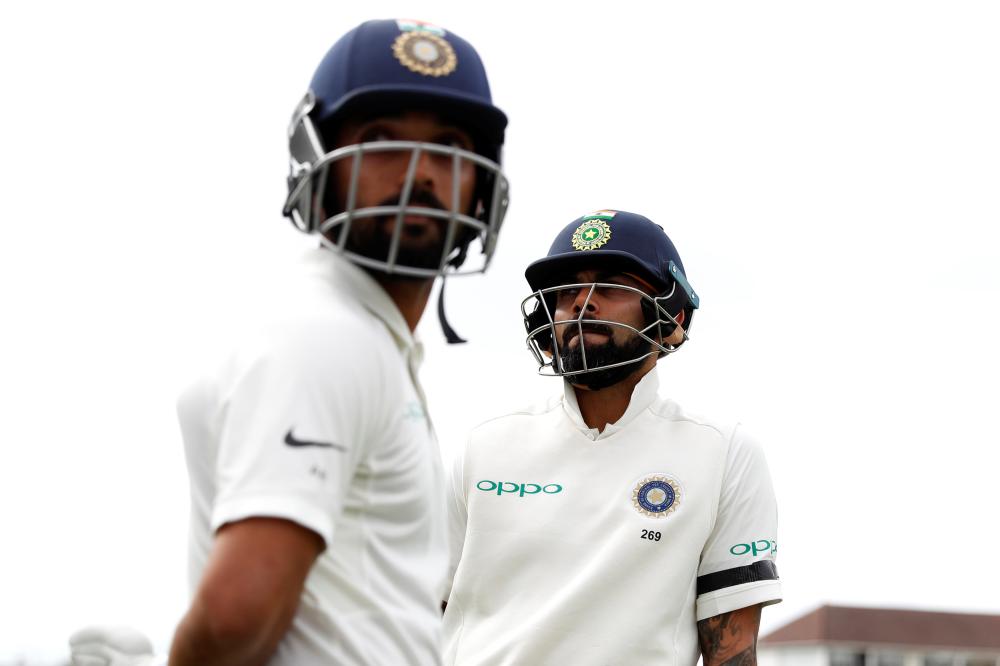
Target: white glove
column 102, row 645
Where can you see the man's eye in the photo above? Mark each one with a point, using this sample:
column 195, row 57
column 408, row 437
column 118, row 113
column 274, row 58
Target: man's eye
column 564, row 295
column 454, row 140
column 611, row 290
column 376, row 134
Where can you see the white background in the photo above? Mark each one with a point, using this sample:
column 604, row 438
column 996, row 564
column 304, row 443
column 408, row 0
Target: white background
column 829, row 172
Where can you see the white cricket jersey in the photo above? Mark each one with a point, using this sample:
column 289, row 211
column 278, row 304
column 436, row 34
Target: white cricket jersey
column 319, row 419
column 579, row 547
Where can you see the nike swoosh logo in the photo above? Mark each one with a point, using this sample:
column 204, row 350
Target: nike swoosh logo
column 291, row 441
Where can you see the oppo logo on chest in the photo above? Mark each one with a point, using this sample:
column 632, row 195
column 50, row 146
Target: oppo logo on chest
column 518, row 489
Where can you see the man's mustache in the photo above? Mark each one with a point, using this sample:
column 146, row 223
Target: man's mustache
column 572, row 329
column 424, row 198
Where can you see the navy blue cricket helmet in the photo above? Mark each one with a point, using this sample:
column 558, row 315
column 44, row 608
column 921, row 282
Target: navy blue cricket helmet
column 384, row 67
column 619, row 242
column 390, row 65
column 614, row 239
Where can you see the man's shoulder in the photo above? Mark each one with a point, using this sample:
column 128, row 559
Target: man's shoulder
column 729, row 435
column 296, row 341
column 335, row 332
column 314, row 295
column 518, row 417
column 335, row 318
column 671, row 411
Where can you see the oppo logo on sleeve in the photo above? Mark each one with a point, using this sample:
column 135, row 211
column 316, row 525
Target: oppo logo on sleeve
column 519, row 489
column 755, row 547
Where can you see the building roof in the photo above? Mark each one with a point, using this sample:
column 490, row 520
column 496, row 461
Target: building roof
column 842, row 624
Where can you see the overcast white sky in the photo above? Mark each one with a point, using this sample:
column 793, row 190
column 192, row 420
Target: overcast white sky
column 829, row 172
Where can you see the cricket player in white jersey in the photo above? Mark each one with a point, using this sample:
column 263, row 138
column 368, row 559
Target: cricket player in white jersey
column 318, row 520
column 609, row 525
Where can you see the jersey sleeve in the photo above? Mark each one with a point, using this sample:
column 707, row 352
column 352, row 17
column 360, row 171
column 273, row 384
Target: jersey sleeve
column 291, row 429
column 737, row 567
column 458, row 517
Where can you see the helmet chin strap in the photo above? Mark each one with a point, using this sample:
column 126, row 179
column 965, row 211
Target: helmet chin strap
column 450, row 335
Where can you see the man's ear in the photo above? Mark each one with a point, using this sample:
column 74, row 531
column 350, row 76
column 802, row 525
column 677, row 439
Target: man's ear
column 677, row 337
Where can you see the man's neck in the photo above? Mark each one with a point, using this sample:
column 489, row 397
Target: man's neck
column 410, row 295
column 605, row 406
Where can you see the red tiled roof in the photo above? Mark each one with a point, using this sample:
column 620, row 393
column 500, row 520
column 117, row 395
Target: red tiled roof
column 843, row 624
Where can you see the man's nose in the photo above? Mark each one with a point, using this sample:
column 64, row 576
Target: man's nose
column 585, row 301
column 429, row 169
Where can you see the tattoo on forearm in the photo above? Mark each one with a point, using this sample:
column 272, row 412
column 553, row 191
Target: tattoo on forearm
column 719, row 635
column 730, row 639
column 746, row 658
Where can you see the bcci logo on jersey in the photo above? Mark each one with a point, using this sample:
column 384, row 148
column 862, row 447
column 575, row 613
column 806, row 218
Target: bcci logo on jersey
column 656, row 496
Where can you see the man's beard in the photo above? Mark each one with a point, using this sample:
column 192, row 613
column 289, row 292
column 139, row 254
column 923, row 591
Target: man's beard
column 633, row 349
column 419, row 246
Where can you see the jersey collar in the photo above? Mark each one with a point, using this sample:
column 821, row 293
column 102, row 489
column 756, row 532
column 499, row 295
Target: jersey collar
column 643, row 395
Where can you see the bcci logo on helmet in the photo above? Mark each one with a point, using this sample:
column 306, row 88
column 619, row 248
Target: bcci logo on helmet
column 594, row 232
column 425, row 53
